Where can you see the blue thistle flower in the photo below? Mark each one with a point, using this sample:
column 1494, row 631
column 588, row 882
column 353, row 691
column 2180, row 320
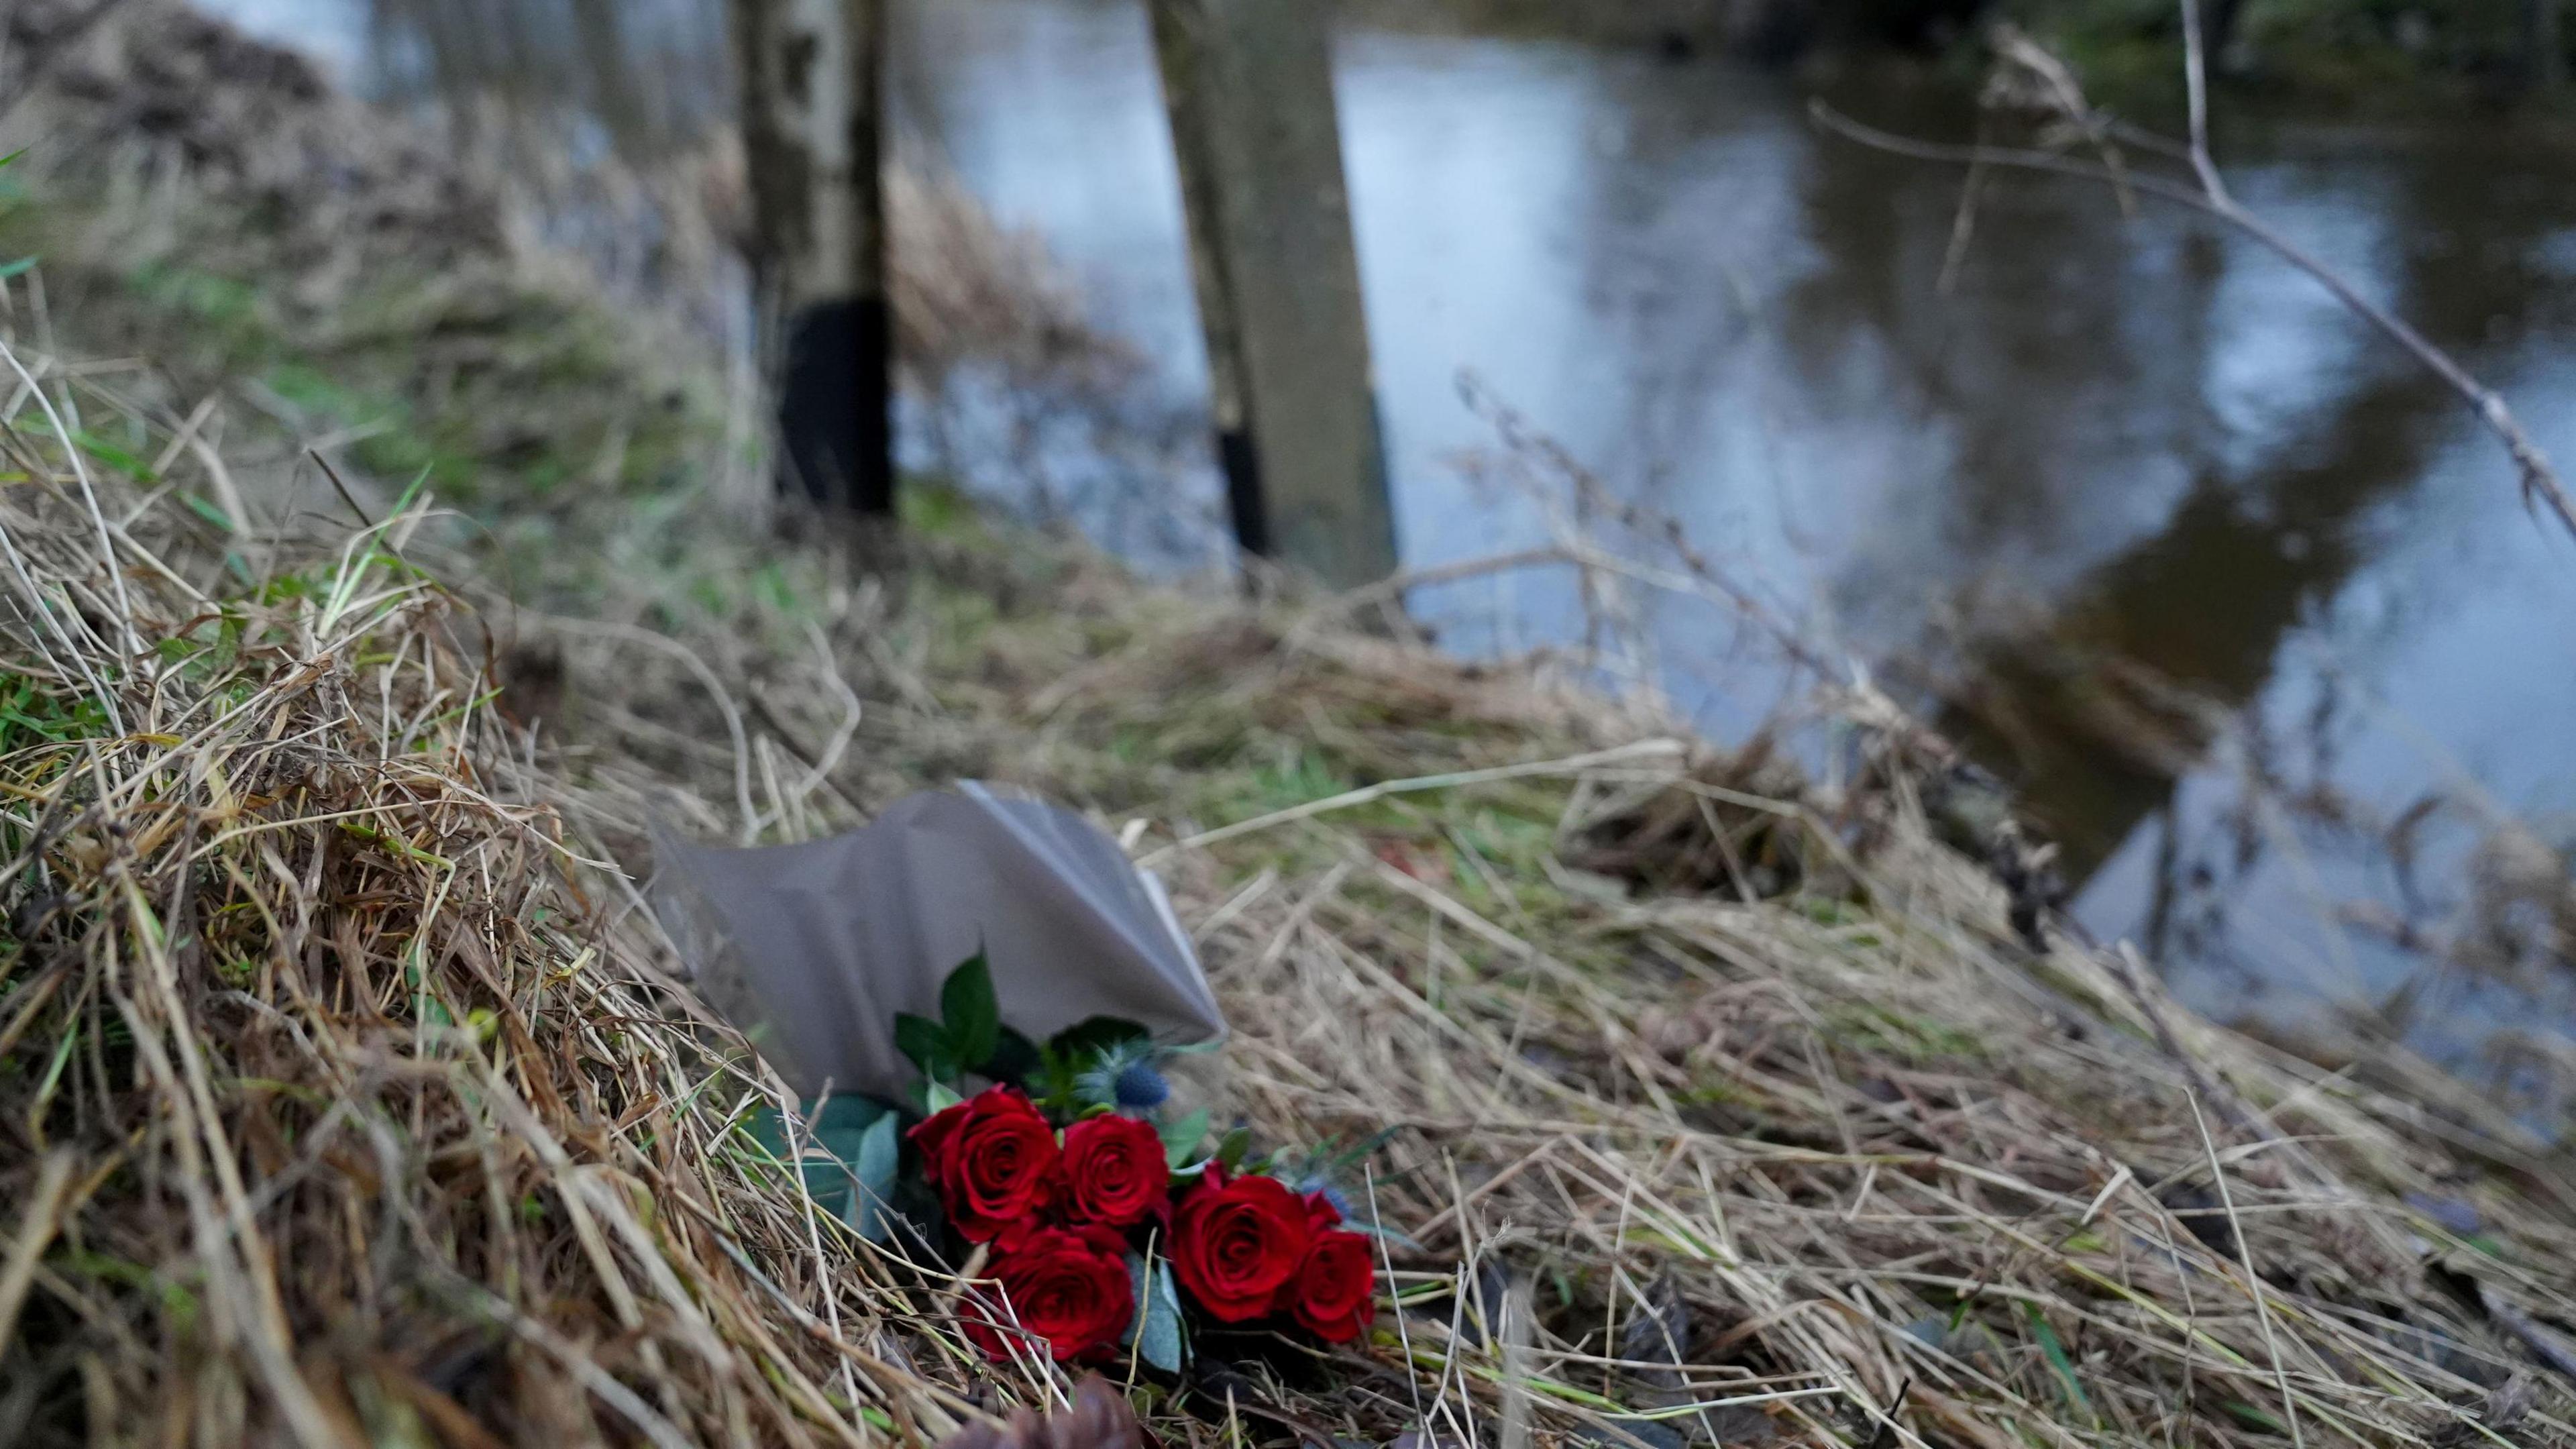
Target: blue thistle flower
column 1140, row 1088
column 1122, row 1075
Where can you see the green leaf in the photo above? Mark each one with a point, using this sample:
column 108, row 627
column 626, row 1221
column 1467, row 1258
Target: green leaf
column 1155, row 1329
column 929, row 1046
column 1017, row 1060
column 12, row 156
column 2055, row 1352
column 971, row 1014
column 873, row 1170
column 17, row 268
column 209, row 512
column 941, row 1097
column 1053, row 1082
column 1231, row 1148
column 2259, row 1418
column 1181, row 1139
column 107, row 452
column 1332, row 1163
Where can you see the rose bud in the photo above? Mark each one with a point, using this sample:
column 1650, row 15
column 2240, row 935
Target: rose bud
column 1115, row 1171
column 1334, row 1294
column 993, row 1159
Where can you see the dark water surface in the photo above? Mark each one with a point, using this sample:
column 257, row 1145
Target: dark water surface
column 2110, row 458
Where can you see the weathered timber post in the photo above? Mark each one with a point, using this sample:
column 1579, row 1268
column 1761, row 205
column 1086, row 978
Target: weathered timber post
column 1249, row 84
column 810, row 72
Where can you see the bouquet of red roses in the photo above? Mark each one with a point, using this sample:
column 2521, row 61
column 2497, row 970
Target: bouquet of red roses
column 1102, row 1225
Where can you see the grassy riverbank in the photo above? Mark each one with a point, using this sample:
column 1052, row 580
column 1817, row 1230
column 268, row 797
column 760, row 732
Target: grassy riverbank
column 346, row 1092
column 2346, row 57
column 2378, row 59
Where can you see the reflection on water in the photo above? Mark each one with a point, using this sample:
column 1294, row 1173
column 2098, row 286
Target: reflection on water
column 2111, row 461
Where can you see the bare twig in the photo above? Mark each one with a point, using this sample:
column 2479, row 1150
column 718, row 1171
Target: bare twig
column 2195, row 69
column 2253, row 1279
column 2062, row 95
column 2540, row 481
column 1963, row 225
column 35, row 1232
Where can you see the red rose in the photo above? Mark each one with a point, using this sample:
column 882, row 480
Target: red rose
column 1068, row 1286
column 1235, row 1243
column 993, row 1159
column 1115, row 1171
column 1335, row 1291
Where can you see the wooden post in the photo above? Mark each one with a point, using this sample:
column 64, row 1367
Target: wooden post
column 811, row 137
column 1249, row 84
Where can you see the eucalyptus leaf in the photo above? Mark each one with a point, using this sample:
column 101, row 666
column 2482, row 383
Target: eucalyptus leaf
column 846, row 1111
column 1181, row 1139
column 16, row 268
column 1166, row 1339
column 834, row 1140
column 940, row 1096
column 880, row 1151
column 970, row 1013
column 1155, row 1329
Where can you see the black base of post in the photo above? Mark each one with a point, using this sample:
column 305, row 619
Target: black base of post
column 834, row 406
column 1234, row 453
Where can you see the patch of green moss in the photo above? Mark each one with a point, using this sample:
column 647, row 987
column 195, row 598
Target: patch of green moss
column 1885, row 1031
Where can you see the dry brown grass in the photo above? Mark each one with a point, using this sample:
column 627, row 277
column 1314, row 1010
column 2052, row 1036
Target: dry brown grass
column 337, row 1108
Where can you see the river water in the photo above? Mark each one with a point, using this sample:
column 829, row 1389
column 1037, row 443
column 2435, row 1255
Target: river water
column 2103, row 457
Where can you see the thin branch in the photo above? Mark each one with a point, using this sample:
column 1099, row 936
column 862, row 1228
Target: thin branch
column 2540, row 482
column 2195, row 71
column 2148, row 141
column 1963, row 223
column 2065, row 96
